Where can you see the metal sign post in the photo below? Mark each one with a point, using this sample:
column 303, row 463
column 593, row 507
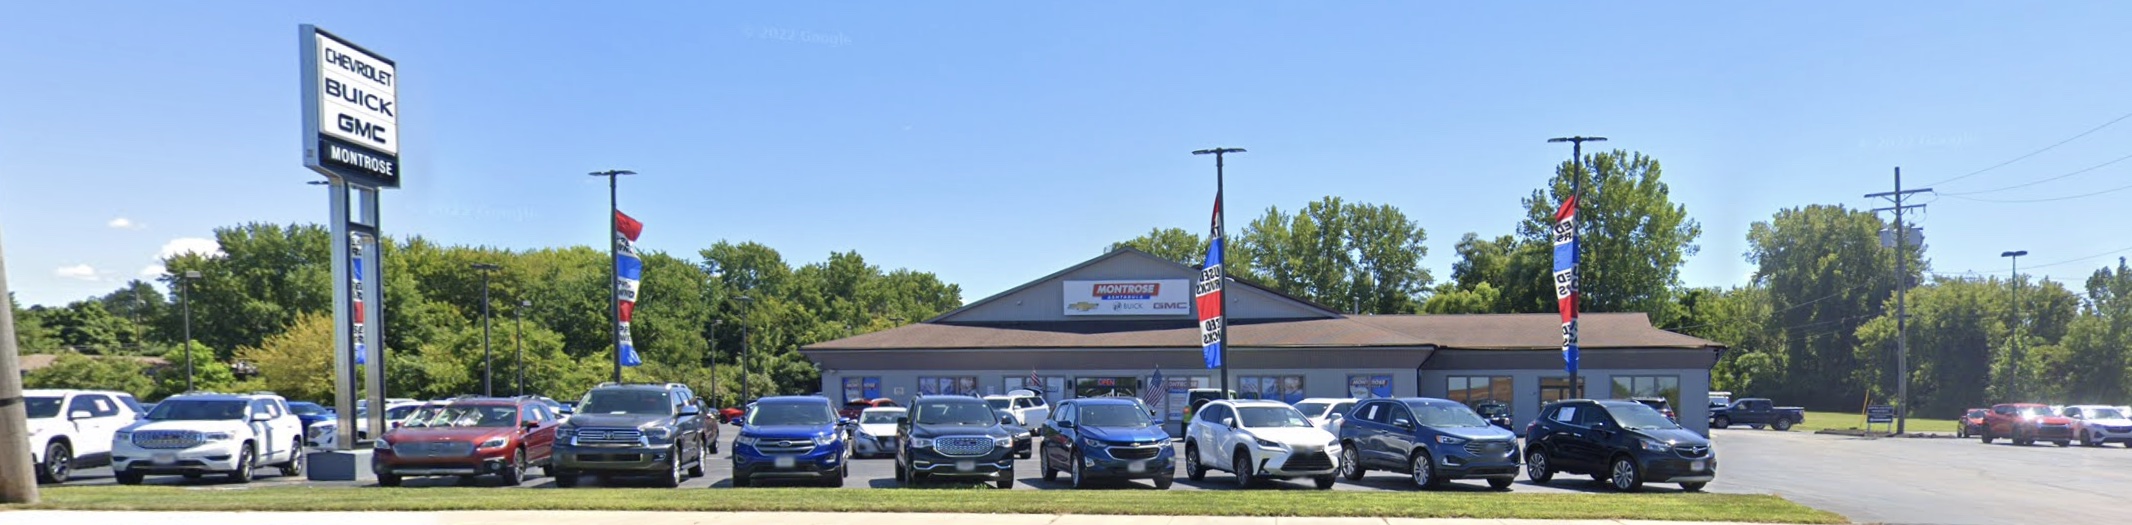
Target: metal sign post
column 351, row 134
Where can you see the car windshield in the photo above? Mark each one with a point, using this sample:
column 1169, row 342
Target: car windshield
column 198, row 410
column 1640, row 417
column 400, row 412
column 1446, row 415
column 1492, row 409
column 469, row 416
column 626, row 402
column 999, row 404
column 307, row 409
column 953, row 413
column 1312, row 409
column 779, row 414
column 1976, row 413
column 1340, row 408
column 879, row 416
column 1114, row 416
column 1270, row 417
column 2104, row 413
column 2034, row 411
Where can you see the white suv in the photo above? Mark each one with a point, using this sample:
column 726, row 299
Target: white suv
column 195, row 434
column 1028, row 408
column 72, row 429
column 2097, row 425
column 1259, row 439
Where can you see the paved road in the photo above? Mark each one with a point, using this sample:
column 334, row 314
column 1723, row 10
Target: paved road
column 1944, row 481
column 880, row 473
column 723, row 518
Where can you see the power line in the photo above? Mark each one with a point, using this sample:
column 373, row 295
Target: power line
column 2051, row 199
column 2027, row 184
column 2120, row 118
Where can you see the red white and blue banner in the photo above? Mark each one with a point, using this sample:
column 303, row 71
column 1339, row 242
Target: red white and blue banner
column 629, row 271
column 1208, row 295
column 1566, row 279
column 355, row 291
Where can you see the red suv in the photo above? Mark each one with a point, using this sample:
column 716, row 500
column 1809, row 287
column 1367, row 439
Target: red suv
column 2025, row 424
column 469, row 437
column 1971, row 423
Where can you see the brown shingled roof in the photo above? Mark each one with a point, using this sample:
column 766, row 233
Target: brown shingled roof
column 1488, row 331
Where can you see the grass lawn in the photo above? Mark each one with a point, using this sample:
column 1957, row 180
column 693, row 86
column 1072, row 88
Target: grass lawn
column 1671, row 506
column 1844, row 420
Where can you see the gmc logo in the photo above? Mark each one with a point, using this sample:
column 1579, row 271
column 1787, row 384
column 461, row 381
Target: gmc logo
column 356, row 126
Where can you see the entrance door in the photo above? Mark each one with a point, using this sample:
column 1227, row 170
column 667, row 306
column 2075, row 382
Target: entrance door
column 1106, row 387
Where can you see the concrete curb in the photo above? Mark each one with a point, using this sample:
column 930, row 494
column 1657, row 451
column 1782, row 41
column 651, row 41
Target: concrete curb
column 43, row 517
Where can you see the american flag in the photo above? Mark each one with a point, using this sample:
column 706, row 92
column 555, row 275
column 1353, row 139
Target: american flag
column 1034, row 382
column 1156, row 391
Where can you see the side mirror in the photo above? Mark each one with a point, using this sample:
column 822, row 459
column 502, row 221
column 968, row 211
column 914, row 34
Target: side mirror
column 903, row 420
column 1228, row 422
column 1403, row 423
column 80, row 414
column 1007, row 420
column 691, row 410
column 1065, row 424
column 262, row 416
column 529, row 425
column 1334, row 417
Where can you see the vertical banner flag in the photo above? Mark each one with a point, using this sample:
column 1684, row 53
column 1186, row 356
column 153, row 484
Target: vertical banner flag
column 355, row 288
column 1157, row 390
column 1208, row 295
column 1566, row 279
column 629, row 270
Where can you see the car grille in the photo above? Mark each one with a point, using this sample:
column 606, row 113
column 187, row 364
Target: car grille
column 435, row 449
column 1692, row 451
column 1488, row 448
column 166, row 439
column 1143, row 452
column 785, row 446
column 609, row 436
column 963, row 446
column 1312, row 458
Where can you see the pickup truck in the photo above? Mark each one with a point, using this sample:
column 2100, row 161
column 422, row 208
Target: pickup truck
column 1757, row 412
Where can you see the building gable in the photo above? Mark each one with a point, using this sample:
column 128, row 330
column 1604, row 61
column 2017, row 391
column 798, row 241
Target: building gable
column 1070, row 295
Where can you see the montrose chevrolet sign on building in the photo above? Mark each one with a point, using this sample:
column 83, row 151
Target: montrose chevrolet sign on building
column 1137, row 297
column 351, row 113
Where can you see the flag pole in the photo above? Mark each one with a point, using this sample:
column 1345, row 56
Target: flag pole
column 1221, row 276
column 614, row 272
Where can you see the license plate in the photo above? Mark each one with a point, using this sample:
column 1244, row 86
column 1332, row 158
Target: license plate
column 1136, row 467
column 166, row 458
column 786, row 461
column 1697, row 465
column 966, row 465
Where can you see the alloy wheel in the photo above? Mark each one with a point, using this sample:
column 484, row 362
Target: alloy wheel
column 1424, row 471
column 1624, row 475
column 58, row 463
column 1350, row 464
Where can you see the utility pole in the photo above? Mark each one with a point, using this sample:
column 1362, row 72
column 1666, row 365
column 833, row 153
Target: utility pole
column 488, row 363
column 1221, row 227
column 18, row 484
column 614, row 274
column 746, row 375
column 2013, row 380
column 1902, row 291
column 1576, row 235
column 712, row 358
column 520, row 339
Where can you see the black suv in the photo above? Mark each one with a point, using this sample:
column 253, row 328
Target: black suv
column 1620, row 443
column 953, row 437
column 641, row 429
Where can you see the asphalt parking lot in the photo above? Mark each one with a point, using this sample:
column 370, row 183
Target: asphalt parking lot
column 1946, row 481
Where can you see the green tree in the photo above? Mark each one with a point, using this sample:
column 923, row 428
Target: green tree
column 1450, row 299
column 1826, row 274
column 76, row 371
column 1361, row 257
column 87, row 326
column 210, row 374
column 297, row 363
column 1634, row 237
column 266, row 277
column 31, row 335
column 1176, row 244
column 140, row 304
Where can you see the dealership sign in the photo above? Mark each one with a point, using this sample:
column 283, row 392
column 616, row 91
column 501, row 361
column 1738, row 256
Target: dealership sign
column 351, row 111
column 1130, row 297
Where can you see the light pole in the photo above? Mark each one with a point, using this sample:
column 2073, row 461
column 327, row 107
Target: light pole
column 746, row 379
column 520, row 339
column 185, row 297
column 487, row 363
column 712, row 357
column 1576, row 257
column 2013, row 382
column 1221, row 278
column 614, row 274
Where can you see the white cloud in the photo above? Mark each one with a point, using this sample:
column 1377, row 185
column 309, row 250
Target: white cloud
column 80, row 272
column 182, row 245
column 153, row 271
column 122, row 223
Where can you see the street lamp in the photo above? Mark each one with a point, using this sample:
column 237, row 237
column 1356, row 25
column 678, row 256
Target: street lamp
column 746, row 378
column 487, row 363
column 185, row 296
column 712, row 358
column 2013, row 382
column 520, row 338
column 1576, row 258
column 614, row 273
column 1221, row 279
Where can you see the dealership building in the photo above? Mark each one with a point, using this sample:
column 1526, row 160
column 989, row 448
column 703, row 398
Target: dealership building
column 1115, row 324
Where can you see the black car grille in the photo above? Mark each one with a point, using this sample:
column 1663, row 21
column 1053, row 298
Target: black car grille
column 1692, row 451
column 610, row 436
column 785, row 446
column 963, row 445
column 1488, row 448
column 1147, row 452
column 1312, row 460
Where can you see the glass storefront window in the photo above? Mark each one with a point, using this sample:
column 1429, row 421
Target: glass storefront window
column 1472, row 390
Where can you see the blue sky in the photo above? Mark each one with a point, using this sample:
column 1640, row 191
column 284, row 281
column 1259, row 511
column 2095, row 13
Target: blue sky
column 995, row 143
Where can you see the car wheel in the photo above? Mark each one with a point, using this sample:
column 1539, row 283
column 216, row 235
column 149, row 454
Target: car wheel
column 1350, row 463
column 1242, row 462
column 1694, row 486
column 128, row 477
column 1192, row 469
column 1163, row 482
column 1044, row 464
column 695, row 470
column 1984, row 435
column 564, row 479
column 1500, row 483
column 1625, row 476
column 1006, row 479
column 1026, row 452
column 1424, row 471
column 837, row 479
column 514, row 472
column 1080, row 472
column 295, row 466
column 1325, row 482
column 1781, row 425
column 2088, row 440
column 1721, row 422
column 673, row 475
column 388, row 480
column 1961, row 432
column 58, row 464
column 245, row 462
column 1537, row 468
column 2062, row 443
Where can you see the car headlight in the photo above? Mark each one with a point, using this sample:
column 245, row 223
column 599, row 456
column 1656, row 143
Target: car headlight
column 745, row 439
column 1003, row 442
column 1654, row 446
column 1092, row 442
column 1334, row 445
column 1266, row 443
column 921, row 443
column 494, row 442
column 1448, row 440
column 565, row 432
column 380, row 445
column 658, row 432
column 825, row 439
column 218, row 436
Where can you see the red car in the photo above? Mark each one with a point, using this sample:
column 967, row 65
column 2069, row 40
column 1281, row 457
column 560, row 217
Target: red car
column 1971, row 423
column 852, row 408
column 469, row 437
column 2026, row 423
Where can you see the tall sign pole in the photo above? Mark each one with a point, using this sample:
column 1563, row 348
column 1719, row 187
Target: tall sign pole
column 1902, row 292
column 1213, row 278
column 351, row 135
column 17, row 483
column 1568, row 281
column 614, row 268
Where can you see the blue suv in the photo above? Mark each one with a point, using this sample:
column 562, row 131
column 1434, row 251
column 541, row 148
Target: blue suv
column 1433, row 440
column 791, row 437
column 1106, row 437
